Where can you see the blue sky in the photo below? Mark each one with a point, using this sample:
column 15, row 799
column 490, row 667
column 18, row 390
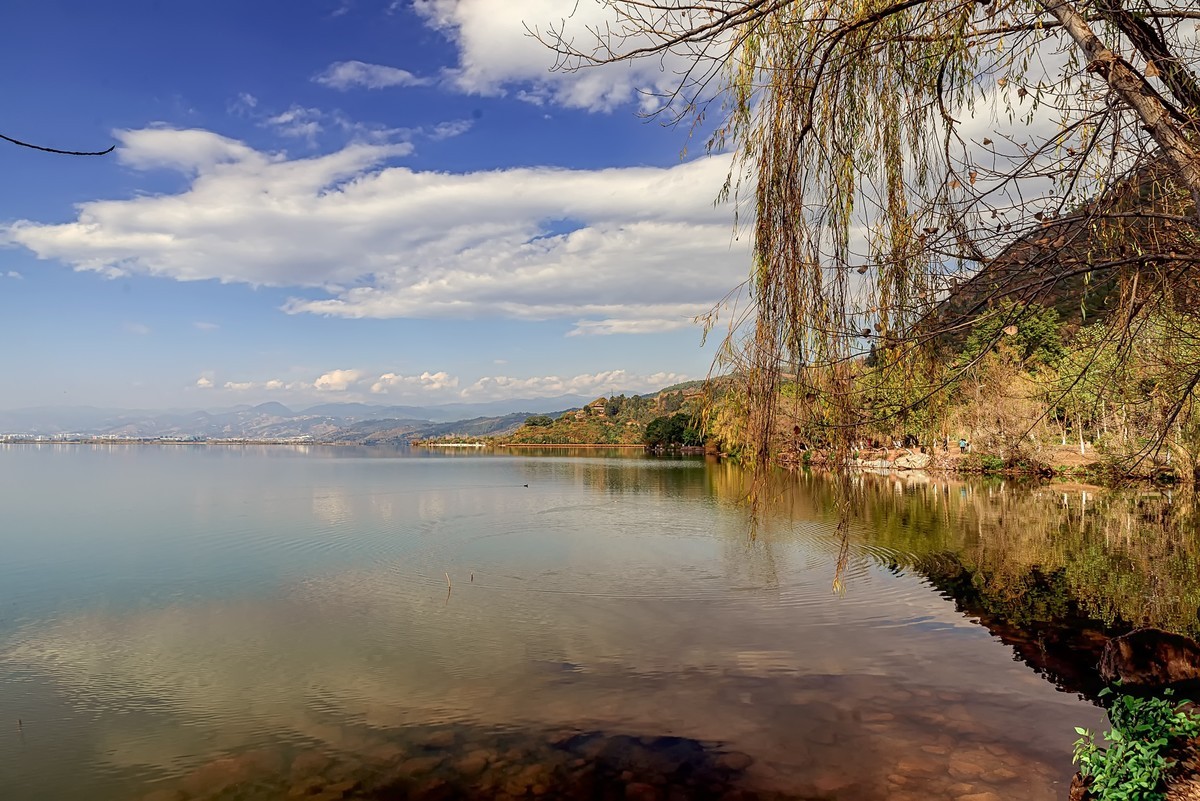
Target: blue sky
column 389, row 201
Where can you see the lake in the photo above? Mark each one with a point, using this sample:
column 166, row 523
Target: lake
column 217, row 622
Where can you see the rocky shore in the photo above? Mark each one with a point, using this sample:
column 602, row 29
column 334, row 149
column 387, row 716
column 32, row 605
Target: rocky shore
column 1064, row 461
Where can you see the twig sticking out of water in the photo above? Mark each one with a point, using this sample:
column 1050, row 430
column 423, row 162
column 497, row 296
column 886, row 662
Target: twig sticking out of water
column 449, row 586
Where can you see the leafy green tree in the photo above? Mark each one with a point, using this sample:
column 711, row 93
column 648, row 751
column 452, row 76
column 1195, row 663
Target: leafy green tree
column 1125, row 385
column 636, row 406
column 676, row 429
column 1029, row 333
column 539, row 421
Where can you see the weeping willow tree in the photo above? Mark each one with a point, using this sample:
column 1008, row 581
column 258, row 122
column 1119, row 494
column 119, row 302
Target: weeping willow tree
column 905, row 165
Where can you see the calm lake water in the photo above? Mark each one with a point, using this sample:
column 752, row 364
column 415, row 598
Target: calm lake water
column 274, row 622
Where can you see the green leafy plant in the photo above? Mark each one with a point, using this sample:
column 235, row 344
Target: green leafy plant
column 1132, row 767
column 991, row 463
column 983, row 463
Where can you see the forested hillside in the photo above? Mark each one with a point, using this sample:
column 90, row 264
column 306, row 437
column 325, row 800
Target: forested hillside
column 660, row 419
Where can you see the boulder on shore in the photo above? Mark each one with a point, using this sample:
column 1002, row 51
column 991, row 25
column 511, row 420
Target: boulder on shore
column 1149, row 658
column 874, row 464
column 912, row 461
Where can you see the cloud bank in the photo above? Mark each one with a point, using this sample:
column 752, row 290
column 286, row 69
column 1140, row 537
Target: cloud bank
column 498, row 56
column 622, row 250
column 442, row 386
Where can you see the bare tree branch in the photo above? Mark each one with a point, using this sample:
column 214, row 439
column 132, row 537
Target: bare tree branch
column 105, row 152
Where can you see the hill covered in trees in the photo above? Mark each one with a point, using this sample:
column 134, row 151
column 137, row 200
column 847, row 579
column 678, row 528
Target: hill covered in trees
column 661, row 419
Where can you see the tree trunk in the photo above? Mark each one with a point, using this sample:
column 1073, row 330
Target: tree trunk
column 1135, row 91
column 1172, row 70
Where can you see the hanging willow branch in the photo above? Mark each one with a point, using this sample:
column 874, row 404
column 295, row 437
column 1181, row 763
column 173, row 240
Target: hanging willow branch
column 886, row 215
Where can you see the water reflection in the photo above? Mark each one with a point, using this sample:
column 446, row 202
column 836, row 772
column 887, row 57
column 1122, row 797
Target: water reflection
column 190, row 604
column 1037, row 553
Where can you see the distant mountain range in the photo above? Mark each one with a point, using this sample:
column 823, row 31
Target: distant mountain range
column 328, row 422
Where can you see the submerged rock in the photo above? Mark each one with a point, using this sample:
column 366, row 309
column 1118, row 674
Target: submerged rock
column 232, row 771
column 440, row 741
column 1149, row 658
column 734, row 761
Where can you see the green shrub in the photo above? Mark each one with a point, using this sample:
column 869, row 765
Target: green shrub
column 1131, row 768
column 982, row 463
column 990, row 463
column 674, row 430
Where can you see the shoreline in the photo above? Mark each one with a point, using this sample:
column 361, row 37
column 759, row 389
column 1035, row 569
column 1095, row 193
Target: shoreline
column 106, row 441
column 1048, row 465
column 1094, row 471
column 562, row 445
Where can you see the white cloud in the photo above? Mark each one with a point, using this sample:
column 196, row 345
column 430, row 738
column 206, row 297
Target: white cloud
column 14, row 275
column 298, row 122
column 496, row 54
column 430, row 382
column 450, row 129
column 138, row 329
column 333, row 381
column 617, row 326
column 203, row 326
column 629, row 249
column 346, row 75
column 442, row 386
column 602, row 383
column 307, row 123
column 338, row 380
column 353, row 382
column 243, row 105
column 187, row 150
